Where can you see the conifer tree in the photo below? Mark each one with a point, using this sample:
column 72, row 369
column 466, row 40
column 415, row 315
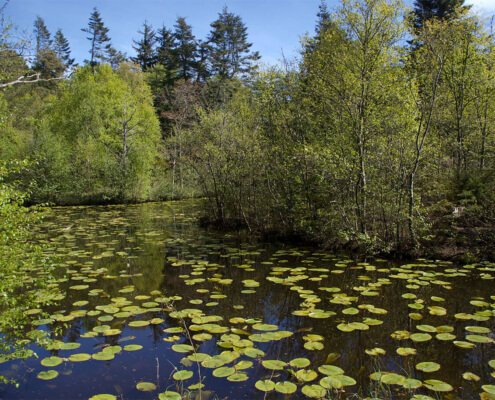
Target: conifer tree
column 442, row 9
column 115, row 57
column 324, row 18
column 145, row 48
column 98, row 36
column 230, row 50
column 185, row 51
column 42, row 36
column 165, row 54
column 62, row 49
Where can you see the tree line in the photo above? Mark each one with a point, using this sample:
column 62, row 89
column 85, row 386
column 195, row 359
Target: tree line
column 379, row 137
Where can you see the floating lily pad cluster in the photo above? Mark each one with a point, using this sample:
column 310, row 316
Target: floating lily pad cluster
column 295, row 321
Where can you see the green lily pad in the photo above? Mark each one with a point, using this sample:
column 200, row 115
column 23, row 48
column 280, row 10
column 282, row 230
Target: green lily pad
column 313, row 345
column 428, row 366
column 464, row 345
column 438, row 386
column 489, row 388
column 47, row 375
column 168, row 395
column 330, row 370
column 133, row 347
column 253, row 353
column 306, row 375
column 182, row 375
column 410, row 383
column 79, row 357
column 445, row 336
column 103, row 396
column 51, row 361
column 406, row 351
column 331, row 382
column 140, row 323
column 69, row 346
column 479, row 339
column 182, row 348
column 426, row 328
column 274, row 364
column 238, row 377
column 285, row 387
column 222, row 372
column 146, row 386
column 265, row 327
column 469, row 376
column 420, row 337
column 299, row 362
column 314, row 391
column 265, row 385
column 112, row 332
column 478, row 329
column 102, row 356
column 393, row 379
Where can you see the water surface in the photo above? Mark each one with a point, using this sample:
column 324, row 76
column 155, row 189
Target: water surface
column 147, row 275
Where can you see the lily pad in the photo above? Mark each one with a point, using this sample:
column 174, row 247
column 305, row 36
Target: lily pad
column 438, row 386
column 146, row 386
column 299, row 362
column 79, row 357
column 285, row 387
column 274, row 364
column 47, row 375
column 182, row 348
column 314, row 391
column 51, row 361
column 265, row 385
column 428, row 366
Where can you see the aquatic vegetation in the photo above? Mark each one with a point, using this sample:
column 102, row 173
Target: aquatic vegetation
column 150, row 277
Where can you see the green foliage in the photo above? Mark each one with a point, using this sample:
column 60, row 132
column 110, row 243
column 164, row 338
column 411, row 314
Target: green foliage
column 24, row 270
column 98, row 140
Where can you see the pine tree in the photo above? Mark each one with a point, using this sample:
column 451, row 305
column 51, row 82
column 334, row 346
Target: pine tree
column 145, row 48
column 62, row 49
column 185, row 51
column 442, row 9
column 230, row 54
column 324, row 18
column 41, row 35
column 202, row 67
column 115, row 57
column 98, row 36
column 165, row 49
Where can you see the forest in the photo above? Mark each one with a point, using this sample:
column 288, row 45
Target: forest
column 379, row 137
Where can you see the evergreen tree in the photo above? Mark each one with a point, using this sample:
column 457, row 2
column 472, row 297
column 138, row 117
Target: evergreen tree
column 98, row 36
column 324, row 18
column 185, row 50
column 62, row 49
column 202, row 67
column 42, row 36
column 230, row 54
column 145, row 48
column 165, row 49
column 442, row 9
column 115, row 57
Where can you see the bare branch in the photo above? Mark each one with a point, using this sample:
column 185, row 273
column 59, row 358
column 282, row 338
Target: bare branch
column 27, row 79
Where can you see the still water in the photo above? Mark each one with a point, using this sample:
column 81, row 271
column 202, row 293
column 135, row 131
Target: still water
column 154, row 307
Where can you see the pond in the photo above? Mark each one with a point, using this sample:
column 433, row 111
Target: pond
column 153, row 307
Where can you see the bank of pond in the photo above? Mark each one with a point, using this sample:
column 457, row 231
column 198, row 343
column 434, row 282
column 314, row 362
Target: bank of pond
column 145, row 304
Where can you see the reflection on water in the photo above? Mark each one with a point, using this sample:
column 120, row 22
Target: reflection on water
column 143, row 283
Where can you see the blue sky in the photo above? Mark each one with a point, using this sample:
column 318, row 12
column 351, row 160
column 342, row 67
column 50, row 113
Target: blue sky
column 274, row 26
